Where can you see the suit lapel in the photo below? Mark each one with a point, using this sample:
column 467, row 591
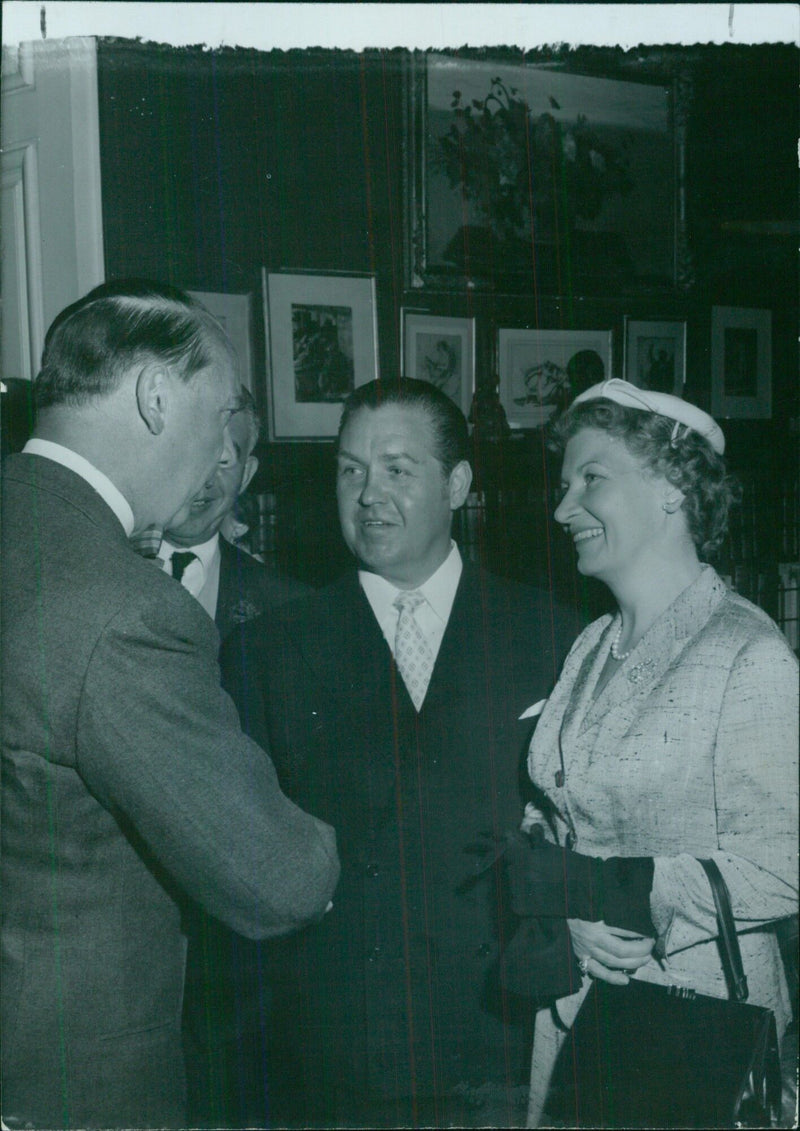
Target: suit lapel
column 579, row 704
column 619, row 702
column 348, row 653
column 455, row 645
column 464, row 645
column 226, row 592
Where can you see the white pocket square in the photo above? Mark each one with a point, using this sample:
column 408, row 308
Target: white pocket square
column 533, row 711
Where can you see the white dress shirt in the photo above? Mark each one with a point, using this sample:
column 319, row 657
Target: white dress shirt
column 201, row 577
column 95, row 478
column 439, row 592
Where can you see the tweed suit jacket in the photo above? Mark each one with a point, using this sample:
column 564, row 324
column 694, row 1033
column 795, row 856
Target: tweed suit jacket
column 221, row 967
column 397, row 992
column 689, row 751
column 126, row 781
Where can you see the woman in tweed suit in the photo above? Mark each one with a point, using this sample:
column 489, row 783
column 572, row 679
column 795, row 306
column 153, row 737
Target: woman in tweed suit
column 672, row 732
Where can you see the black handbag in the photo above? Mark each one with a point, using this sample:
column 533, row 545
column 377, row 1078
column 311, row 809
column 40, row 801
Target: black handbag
column 644, row 1055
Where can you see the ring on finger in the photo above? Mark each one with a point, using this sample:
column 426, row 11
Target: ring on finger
column 583, row 966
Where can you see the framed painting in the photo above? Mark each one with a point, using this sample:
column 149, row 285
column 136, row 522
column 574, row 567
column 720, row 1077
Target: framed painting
column 521, row 173
column 440, row 350
column 741, row 362
column 235, row 315
column 542, row 370
column 655, row 355
column 322, row 341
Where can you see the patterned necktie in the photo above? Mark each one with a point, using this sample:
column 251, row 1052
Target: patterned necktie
column 179, row 561
column 147, row 541
column 412, row 653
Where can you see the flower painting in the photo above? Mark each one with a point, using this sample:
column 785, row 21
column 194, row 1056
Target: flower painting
column 539, row 170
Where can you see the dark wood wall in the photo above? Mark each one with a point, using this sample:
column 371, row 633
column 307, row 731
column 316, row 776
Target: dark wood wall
column 218, row 163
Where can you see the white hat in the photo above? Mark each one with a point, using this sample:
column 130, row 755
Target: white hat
column 663, row 404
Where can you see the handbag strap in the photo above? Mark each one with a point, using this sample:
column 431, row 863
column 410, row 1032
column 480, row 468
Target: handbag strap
column 728, row 940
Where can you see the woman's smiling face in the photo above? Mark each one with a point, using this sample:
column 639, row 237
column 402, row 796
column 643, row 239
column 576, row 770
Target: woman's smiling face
column 612, row 506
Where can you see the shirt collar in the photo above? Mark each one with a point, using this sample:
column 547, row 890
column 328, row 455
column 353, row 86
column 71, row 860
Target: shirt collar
column 439, row 590
column 204, row 551
column 93, row 476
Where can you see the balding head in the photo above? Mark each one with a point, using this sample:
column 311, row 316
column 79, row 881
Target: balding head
column 93, row 342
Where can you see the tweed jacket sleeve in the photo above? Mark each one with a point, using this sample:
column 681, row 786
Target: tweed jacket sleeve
column 689, row 751
column 755, row 797
column 170, row 761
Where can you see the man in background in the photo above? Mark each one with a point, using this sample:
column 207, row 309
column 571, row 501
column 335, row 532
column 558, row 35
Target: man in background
column 392, row 700
column 231, row 585
column 126, row 779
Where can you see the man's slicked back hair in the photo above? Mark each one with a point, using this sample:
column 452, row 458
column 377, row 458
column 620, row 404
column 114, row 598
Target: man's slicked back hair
column 447, row 420
column 93, row 342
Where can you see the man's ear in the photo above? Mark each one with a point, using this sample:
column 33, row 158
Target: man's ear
column 151, row 396
column 250, row 468
column 459, row 484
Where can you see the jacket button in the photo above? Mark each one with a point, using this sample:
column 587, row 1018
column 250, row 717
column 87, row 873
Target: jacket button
column 374, row 954
column 372, row 870
column 484, row 950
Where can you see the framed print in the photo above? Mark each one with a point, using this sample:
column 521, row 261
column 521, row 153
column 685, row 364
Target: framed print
column 235, row 315
column 322, row 342
column 741, row 362
column 441, row 350
column 655, row 355
column 519, row 172
column 542, row 370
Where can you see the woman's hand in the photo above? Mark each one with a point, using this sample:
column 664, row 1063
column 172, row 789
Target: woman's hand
column 610, row 953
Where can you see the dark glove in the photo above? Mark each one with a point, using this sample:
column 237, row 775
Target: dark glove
column 538, row 963
column 547, row 881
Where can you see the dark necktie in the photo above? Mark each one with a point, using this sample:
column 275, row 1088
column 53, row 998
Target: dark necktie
column 179, row 561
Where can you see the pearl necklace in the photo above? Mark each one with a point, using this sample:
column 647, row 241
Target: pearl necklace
column 615, row 652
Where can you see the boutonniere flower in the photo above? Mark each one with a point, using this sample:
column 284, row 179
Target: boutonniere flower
column 244, row 611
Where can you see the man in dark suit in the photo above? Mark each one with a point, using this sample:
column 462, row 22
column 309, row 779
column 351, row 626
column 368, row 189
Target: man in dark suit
column 231, row 585
column 399, row 720
column 126, row 778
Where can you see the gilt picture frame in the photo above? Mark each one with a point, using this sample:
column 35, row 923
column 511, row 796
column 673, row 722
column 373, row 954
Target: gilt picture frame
column 606, row 206
column 322, row 342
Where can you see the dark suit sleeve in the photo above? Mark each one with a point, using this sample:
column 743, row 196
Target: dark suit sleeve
column 161, row 747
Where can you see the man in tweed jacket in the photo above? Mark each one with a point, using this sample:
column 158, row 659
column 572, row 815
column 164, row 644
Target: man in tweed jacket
column 126, row 778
